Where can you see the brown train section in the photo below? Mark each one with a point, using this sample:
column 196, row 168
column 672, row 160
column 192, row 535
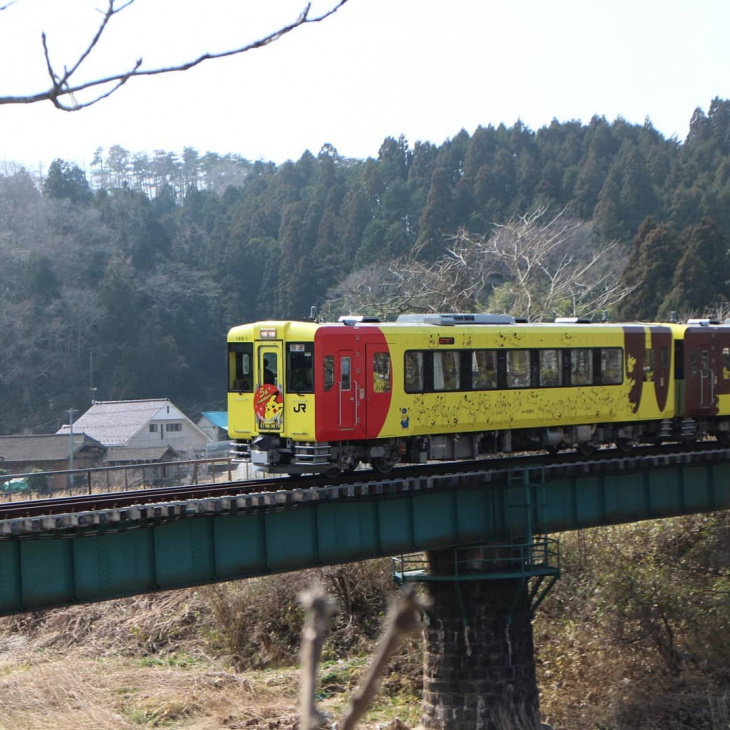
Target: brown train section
column 723, row 352
column 661, row 342
column 634, row 344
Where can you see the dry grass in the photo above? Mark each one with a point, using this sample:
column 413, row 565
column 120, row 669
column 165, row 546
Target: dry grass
column 220, row 657
column 57, row 691
column 636, row 636
column 65, row 692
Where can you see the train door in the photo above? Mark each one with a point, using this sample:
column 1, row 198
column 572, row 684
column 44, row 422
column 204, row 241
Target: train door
column 348, row 402
column 268, row 396
column 723, row 366
column 700, row 372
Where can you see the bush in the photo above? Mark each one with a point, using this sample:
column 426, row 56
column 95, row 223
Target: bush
column 637, row 633
column 259, row 621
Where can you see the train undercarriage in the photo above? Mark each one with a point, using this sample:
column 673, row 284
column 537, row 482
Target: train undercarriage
column 277, row 455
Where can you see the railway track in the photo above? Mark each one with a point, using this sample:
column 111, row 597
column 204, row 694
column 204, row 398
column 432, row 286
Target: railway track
column 277, row 492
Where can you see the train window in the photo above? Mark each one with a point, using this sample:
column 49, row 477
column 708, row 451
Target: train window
column 648, row 365
column 612, row 365
column 551, row 368
column 240, row 377
column 346, row 373
column 414, row 372
column 300, row 367
column 381, row 372
column 329, row 371
column 726, row 363
column 446, row 370
column 483, row 369
column 518, row 368
column 581, row 367
column 693, row 362
column 705, row 364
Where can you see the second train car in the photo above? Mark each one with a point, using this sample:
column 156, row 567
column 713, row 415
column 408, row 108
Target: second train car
column 306, row 397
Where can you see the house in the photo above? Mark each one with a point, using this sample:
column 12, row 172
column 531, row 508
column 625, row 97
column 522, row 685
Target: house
column 124, row 455
column 141, row 431
column 50, row 452
column 214, row 424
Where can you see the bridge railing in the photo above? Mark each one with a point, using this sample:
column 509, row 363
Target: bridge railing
column 540, row 556
column 95, row 480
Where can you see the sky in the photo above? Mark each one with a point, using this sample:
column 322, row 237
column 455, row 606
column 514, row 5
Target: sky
column 421, row 68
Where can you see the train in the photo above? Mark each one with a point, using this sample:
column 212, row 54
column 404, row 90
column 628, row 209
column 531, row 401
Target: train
column 307, row 397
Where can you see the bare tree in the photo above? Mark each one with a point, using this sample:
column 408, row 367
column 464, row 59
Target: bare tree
column 537, row 266
column 403, row 285
column 544, row 265
column 64, row 84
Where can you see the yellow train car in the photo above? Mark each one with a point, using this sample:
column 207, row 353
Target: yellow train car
column 323, row 397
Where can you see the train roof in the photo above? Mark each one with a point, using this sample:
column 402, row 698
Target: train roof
column 292, row 329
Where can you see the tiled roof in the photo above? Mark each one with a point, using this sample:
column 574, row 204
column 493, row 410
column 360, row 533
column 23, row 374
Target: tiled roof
column 47, row 447
column 115, row 422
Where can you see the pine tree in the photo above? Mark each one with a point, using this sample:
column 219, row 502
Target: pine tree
column 67, row 182
column 650, row 270
column 701, row 278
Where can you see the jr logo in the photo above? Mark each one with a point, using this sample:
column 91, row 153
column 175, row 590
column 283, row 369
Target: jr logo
column 300, row 408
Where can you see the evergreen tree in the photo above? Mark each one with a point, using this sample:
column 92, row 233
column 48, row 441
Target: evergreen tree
column 67, row 182
column 650, row 270
column 701, row 278
column 436, row 219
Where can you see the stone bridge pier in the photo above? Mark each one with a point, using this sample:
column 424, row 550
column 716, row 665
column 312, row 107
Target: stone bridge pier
column 479, row 666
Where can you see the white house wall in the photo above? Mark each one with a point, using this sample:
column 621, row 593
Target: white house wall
column 187, row 441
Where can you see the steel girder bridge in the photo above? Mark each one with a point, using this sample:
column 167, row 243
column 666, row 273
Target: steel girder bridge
column 98, row 554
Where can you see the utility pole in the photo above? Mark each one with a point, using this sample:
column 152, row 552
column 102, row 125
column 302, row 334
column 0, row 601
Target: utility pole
column 71, row 412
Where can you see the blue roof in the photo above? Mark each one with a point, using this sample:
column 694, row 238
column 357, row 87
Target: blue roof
column 217, row 418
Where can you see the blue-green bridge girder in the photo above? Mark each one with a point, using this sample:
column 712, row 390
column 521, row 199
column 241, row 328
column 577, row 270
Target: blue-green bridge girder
column 90, row 563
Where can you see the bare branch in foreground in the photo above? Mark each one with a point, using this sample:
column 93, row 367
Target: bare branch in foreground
column 403, row 619
column 63, row 88
column 319, row 607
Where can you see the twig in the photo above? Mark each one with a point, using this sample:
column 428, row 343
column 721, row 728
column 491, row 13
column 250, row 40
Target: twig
column 403, row 618
column 319, row 607
column 62, row 86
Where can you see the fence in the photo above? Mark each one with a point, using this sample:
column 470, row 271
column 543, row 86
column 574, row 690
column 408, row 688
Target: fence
column 117, row 478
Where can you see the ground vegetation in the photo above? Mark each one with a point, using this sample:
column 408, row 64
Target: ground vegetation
column 633, row 637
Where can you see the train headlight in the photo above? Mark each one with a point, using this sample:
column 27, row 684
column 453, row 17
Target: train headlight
column 267, row 333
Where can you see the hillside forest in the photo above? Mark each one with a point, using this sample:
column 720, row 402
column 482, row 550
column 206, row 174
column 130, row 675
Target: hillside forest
column 122, row 280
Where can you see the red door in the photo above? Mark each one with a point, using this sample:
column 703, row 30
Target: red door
column 347, row 406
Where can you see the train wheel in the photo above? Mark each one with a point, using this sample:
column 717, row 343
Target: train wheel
column 382, row 464
column 333, row 472
column 586, row 448
column 625, row 445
